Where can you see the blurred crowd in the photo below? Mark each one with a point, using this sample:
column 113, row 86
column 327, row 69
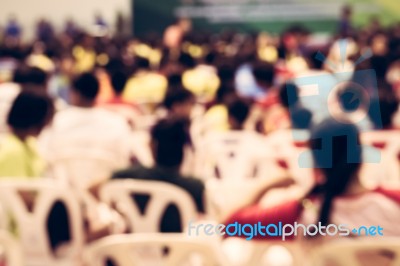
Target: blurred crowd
column 163, row 107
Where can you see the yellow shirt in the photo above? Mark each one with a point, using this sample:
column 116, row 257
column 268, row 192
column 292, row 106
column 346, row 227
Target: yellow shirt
column 202, row 81
column 20, row 158
column 145, row 87
column 216, row 118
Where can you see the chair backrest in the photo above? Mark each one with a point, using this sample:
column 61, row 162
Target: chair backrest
column 357, row 252
column 125, row 250
column 290, row 150
column 232, row 156
column 83, row 168
column 11, row 250
column 140, row 143
column 119, row 193
column 32, row 226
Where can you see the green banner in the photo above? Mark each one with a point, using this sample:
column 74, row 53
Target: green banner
column 258, row 15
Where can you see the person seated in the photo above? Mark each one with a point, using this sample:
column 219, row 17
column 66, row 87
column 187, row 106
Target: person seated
column 388, row 106
column 338, row 197
column 202, row 80
column 168, row 138
column 287, row 113
column 117, row 104
column 216, row 117
column 29, row 114
column 236, row 153
column 179, row 102
column 264, row 75
column 19, row 158
column 86, row 129
column 145, row 85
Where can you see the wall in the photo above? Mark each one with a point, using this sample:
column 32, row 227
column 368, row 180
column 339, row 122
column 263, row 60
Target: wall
column 82, row 11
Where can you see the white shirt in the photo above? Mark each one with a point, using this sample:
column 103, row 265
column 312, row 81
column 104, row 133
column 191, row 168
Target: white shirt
column 367, row 209
column 88, row 134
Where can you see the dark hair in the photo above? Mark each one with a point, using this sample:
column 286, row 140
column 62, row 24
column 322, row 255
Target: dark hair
column 118, row 81
column 86, row 85
column 186, row 60
column 30, row 109
column 223, row 92
column 388, row 106
column 37, row 76
column 175, row 79
column 142, row 63
column 339, row 162
column 20, row 74
column 264, row 72
column 300, row 117
column 170, row 135
column 177, row 95
column 238, row 109
column 226, row 73
column 315, row 61
column 289, row 95
column 29, row 75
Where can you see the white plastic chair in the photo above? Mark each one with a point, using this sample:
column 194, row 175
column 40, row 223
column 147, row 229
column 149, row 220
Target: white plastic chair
column 121, row 249
column 221, row 197
column 83, row 168
column 348, row 252
column 32, row 226
column 11, row 249
column 161, row 194
column 290, row 150
column 233, row 156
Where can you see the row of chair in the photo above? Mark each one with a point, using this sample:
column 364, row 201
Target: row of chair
column 166, row 249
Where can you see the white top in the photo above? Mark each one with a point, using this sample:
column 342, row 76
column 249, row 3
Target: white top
column 87, row 133
column 368, row 209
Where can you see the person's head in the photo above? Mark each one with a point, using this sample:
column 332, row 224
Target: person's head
column 37, row 78
column 175, row 80
column 224, row 93
column 238, row 111
column 388, row 106
column 339, row 159
column 226, row 74
column 179, row 102
column 168, row 138
column 186, row 61
column 346, row 12
column 314, row 61
column 264, row 74
column 118, row 81
column 142, row 63
column 20, row 74
column 185, row 24
column 288, row 95
column 30, row 77
column 30, row 113
column 84, row 90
